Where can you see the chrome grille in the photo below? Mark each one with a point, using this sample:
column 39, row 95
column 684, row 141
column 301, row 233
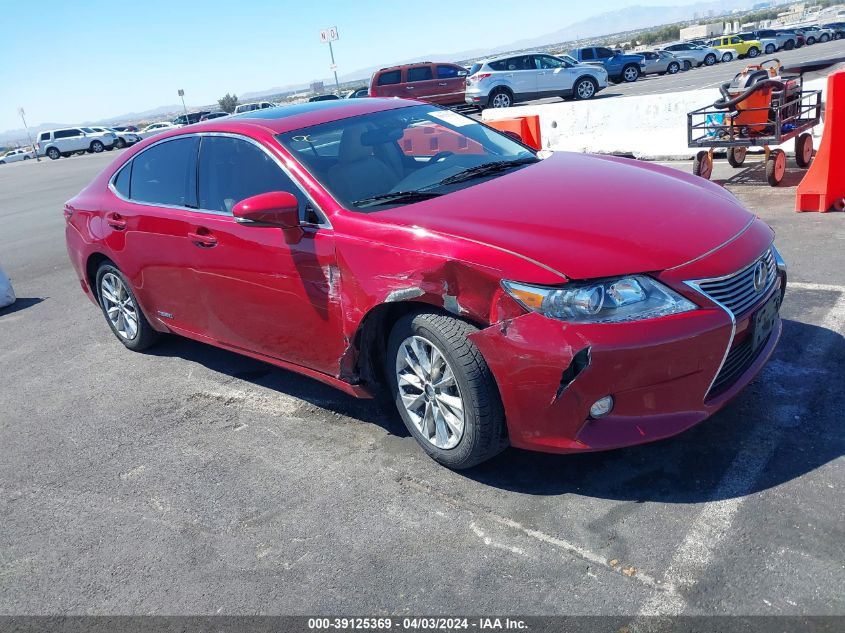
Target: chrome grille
column 737, row 292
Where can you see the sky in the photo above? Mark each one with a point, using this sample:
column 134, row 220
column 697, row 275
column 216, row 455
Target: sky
column 68, row 61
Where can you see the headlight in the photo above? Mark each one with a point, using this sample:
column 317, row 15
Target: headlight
column 631, row 298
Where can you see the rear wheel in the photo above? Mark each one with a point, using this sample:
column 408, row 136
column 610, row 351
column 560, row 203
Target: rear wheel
column 673, row 68
column 736, row 156
column 770, row 48
column 630, row 73
column 726, row 57
column 790, row 44
column 753, row 52
column 776, row 167
column 803, row 150
column 26, row 157
column 121, row 143
column 710, row 59
column 501, row 98
column 444, row 390
column 703, row 165
column 824, row 37
column 53, row 153
column 811, row 40
column 121, row 309
column 585, row 88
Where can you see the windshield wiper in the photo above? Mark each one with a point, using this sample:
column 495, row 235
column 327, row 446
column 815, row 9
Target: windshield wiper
column 395, row 196
column 486, row 169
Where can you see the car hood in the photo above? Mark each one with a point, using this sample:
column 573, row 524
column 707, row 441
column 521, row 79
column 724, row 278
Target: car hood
column 587, row 216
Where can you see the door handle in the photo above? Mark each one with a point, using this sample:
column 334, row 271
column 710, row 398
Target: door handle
column 442, row 83
column 409, row 87
column 203, row 240
column 115, row 221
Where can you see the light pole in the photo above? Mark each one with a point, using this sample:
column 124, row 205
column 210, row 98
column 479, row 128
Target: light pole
column 184, row 107
column 28, row 135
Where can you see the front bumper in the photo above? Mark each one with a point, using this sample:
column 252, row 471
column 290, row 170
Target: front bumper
column 659, row 371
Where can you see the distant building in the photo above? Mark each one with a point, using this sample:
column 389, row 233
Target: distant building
column 317, row 86
column 702, row 31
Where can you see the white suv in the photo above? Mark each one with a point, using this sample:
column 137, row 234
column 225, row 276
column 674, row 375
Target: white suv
column 124, row 139
column 501, row 82
column 249, row 107
column 67, row 141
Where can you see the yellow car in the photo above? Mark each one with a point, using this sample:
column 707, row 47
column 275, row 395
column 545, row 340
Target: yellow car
column 748, row 48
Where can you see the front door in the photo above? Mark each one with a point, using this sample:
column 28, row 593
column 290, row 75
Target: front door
column 262, row 289
column 553, row 76
column 451, row 83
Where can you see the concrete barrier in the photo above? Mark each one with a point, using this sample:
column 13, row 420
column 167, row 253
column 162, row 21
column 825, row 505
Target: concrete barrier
column 650, row 127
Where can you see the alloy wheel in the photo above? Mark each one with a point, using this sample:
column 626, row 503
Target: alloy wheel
column 119, row 306
column 631, row 74
column 501, row 100
column 586, row 89
column 430, row 392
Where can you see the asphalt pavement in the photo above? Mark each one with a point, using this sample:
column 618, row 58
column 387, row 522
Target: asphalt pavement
column 190, row 480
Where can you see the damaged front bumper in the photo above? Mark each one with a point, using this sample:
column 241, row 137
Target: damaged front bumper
column 658, row 371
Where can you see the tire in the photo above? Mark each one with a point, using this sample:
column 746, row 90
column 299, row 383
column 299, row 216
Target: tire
column 770, row 49
column 630, row 73
column 585, row 88
column 703, row 165
column 803, row 150
column 810, row 41
column 775, row 167
column 53, row 153
column 687, row 65
column 727, row 57
column 26, row 157
column 736, row 156
column 753, row 52
column 790, row 44
column 500, row 98
column 824, row 37
column 121, row 143
column 483, row 433
column 838, row 36
column 673, row 68
column 2, row 162
column 111, row 284
column 97, row 147
column 710, row 59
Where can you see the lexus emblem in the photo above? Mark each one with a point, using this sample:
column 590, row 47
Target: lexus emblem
column 760, row 276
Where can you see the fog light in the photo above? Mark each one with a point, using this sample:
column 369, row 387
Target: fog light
column 601, row 407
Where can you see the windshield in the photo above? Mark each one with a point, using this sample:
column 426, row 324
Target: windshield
column 568, row 59
column 401, row 156
column 88, row 130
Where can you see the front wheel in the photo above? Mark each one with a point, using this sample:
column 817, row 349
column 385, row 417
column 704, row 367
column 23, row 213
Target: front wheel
column 753, row 52
column 584, row 88
column 121, row 143
column 776, row 167
column 824, row 38
column 703, row 164
column 710, row 59
column 803, row 150
column 121, row 309
column 444, row 390
column 97, row 147
column 811, row 40
column 630, row 73
column 673, row 68
column 790, row 44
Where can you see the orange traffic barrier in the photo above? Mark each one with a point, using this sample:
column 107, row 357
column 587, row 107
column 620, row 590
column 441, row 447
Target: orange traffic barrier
column 823, row 187
column 527, row 128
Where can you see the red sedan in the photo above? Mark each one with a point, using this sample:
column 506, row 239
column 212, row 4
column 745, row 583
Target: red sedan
column 559, row 302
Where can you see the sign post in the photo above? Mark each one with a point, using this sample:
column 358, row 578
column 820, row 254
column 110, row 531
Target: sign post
column 28, row 135
column 182, row 96
column 330, row 35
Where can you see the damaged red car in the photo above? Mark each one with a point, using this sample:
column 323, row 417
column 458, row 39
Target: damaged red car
column 500, row 296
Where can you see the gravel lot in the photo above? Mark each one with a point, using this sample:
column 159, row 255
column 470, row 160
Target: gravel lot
column 190, row 480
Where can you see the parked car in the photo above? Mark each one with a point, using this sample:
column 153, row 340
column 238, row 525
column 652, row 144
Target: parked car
column 661, row 63
column 784, row 40
column 619, row 66
column 157, row 128
column 384, row 264
column 124, row 139
column 745, row 48
column 191, row 117
column 214, row 115
column 249, row 107
column 439, row 82
column 67, row 141
column 838, row 29
column 501, row 82
column 702, row 55
column 15, row 155
column 799, row 36
column 326, row 97
column 125, row 128
column 357, row 93
column 769, row 45
column 815, row 34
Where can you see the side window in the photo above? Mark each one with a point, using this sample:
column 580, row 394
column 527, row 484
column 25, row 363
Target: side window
column 604, row 53
column 121, row 182
column 389, row 78
column 544, row 62
column 232, row 169
column 736, row 40
column 45, row 136
column 447, row 72
column 588, row 53
column 502, row 64
column 419, row 73
column 166, row 173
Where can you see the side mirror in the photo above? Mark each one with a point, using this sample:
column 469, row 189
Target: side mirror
column 274, row 208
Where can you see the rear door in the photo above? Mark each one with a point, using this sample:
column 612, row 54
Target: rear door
column 451, row 83
column 388, row 83
column 145, row 220
column 522, row 74
column 420, row 83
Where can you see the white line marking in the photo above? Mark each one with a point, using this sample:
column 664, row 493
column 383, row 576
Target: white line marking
column 488, row 541
column 809, row 286
column 714, row 522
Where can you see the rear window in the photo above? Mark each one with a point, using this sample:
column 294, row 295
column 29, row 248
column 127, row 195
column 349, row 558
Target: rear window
column 420, row 73
column 390, row 77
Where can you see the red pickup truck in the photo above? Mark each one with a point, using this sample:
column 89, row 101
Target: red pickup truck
column 441, row 83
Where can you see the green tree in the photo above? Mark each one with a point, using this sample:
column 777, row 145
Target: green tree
column 228, row 103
